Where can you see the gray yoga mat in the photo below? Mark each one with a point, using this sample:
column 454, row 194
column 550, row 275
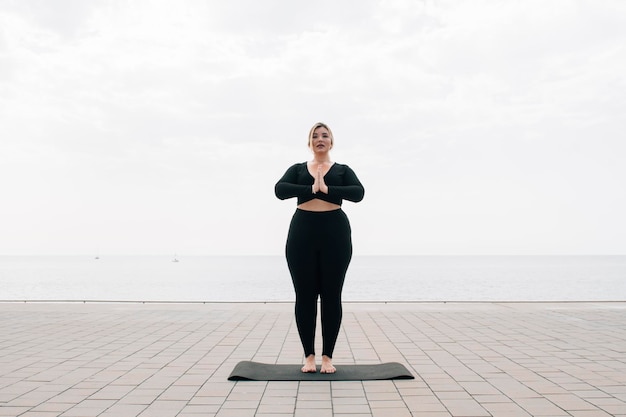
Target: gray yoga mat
column 256, row 371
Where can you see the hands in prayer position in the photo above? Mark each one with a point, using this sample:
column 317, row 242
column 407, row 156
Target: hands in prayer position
column 319, row 184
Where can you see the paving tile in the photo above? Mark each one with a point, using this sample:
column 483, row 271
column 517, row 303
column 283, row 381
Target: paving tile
column 310, row 405
column 342, row 393
column 271, row 400
column 505, row 409
column 541, row 407
column 352, row 415
column 318, row 412
column 123, row 410
column 161, row 360
column 465, row 407
column 351, row 408
column 236, row 413
column 276, row 409
column 395, row 412
column 591, row 413
column 239, row 404
column 349, row 400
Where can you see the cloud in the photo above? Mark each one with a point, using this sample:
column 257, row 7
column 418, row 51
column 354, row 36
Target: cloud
column 477, row 111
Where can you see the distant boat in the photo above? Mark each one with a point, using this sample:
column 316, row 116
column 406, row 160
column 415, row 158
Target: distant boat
column 175, row 259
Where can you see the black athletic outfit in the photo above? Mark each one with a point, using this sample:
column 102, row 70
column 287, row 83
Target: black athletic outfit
column 318, row 250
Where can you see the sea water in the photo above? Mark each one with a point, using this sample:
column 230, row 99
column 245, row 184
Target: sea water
column 266, row 278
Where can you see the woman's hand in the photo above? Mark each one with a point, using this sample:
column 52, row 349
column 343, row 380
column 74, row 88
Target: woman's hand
column 320, row 180
column 319, row 184
column 316, row 185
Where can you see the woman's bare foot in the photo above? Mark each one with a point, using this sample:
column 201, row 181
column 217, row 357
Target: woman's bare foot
column 309, row 364
column 327, row 366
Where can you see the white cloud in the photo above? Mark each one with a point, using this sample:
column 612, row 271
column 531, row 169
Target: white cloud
column 477, row 127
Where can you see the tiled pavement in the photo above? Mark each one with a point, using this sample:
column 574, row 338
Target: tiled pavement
column 160, row 360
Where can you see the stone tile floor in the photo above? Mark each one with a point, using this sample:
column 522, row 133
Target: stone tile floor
column 162, row 360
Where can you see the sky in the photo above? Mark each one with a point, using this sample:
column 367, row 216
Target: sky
column 160, row 127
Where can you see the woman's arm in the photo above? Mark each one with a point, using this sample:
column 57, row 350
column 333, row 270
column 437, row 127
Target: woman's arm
column 351, row 190
column 288, row 187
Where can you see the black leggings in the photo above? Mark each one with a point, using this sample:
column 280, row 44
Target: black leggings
column 319, row 249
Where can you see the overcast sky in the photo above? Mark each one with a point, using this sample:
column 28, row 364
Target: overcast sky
column 154, row 127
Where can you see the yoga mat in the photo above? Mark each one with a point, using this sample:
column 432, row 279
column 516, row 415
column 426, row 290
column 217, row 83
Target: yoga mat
column 256, row 371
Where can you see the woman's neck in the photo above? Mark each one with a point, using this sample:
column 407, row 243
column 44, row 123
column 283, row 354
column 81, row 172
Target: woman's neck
column 321, row 159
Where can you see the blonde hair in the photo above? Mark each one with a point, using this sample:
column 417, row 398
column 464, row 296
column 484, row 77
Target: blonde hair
column 325, row 126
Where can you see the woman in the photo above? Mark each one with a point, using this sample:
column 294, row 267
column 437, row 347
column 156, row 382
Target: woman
column 319, row 245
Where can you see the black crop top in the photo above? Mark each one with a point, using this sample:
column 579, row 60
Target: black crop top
column 342, row 184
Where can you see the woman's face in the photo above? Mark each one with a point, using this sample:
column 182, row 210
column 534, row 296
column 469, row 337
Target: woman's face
column 321, row 140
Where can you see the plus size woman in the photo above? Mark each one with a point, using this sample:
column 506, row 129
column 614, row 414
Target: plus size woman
column 319, row 242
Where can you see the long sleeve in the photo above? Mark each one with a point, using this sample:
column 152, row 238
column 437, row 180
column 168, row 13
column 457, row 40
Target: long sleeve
column 351, row 190
column 288, row 187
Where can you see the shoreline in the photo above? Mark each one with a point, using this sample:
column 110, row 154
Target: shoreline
column 391, row 302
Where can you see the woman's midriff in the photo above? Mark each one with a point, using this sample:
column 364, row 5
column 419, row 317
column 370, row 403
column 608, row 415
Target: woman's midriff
column 318, row 205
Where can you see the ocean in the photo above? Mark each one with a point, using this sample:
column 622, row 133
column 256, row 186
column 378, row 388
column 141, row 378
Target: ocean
column 266, row 278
